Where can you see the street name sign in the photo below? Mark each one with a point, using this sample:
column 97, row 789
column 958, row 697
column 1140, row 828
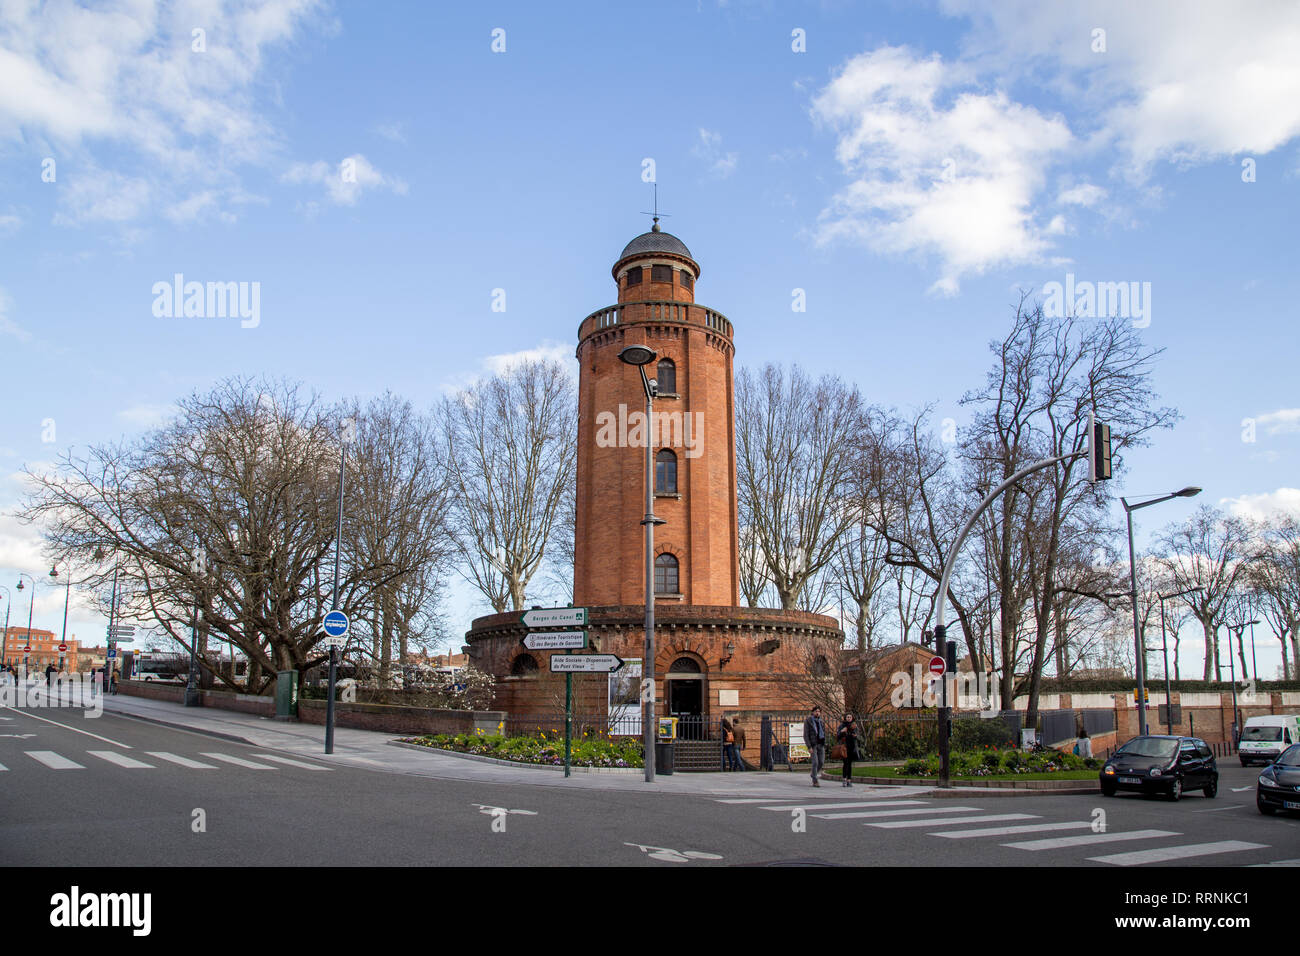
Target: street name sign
column 555, row 617
column 585, row 663
column 555, row 640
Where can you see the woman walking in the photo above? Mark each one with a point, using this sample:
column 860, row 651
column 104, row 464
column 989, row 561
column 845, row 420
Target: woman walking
column 846, row 738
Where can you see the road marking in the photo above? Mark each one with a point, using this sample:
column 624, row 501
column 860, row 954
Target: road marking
column 844, row 806
column 1241, row 789
column 863, row 814
column 749, row 800
column 955, row 821
column 291, row 763
column 53, row 760
column 183, row 761
column 1061, row 842
column 73, row 729
column 120, row 759
column 1008, row 831
column 1278, row 863
column 1177, row 852
column 238, row 762
column 1232, row 806
column 3, row 767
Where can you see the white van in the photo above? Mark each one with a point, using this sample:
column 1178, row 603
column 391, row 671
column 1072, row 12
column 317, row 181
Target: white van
column 1264, row 738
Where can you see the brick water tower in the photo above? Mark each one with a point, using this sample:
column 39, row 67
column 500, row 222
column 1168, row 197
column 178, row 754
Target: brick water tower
column 712, row 655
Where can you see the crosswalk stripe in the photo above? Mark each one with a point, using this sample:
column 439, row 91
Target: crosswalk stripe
column 954, row 821
column 183, row 761
column 116, row 758
column 1088, row 838
column 864, row 814
column 53, row 760
column 3, row 767
column 1278, row 863
column 1008, row 831
column 237, row 761
column 291, row 763
column 748, row 800
column 1177, row 852
column 844, row 806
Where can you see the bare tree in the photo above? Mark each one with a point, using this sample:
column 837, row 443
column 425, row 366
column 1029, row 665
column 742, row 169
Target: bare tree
column 1047, row 376
column 795, row 443
column 511, row 450
column 1273, row 577
column 1205, row 552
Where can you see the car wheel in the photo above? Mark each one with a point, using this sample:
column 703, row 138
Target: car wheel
column 1176, row 791
column 1212, row 788
column 1107, row 791
column 1265, row 808
column 1245, row 762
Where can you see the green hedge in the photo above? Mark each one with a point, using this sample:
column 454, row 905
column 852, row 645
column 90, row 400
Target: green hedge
column 992, row 762
column 543, row 749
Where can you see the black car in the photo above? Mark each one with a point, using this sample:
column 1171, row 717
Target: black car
column 1279, row 784
column 1161, row 764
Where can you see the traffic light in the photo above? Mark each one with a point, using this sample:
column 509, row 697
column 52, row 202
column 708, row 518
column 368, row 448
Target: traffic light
column 1098, row 449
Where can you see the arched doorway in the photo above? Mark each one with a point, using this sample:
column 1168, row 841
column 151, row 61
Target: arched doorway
column 685, row 680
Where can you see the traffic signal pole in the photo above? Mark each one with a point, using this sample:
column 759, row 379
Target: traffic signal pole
column 940, row 631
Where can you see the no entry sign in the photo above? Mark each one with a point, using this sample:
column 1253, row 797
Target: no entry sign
column 937, row 666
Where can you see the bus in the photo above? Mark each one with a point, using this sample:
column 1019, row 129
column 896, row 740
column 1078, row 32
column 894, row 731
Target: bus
column 156, row 666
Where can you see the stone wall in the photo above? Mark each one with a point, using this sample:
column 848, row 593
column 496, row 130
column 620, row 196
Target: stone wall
column 401, row 720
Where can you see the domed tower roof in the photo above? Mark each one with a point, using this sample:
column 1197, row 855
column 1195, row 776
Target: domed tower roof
column 656, row 242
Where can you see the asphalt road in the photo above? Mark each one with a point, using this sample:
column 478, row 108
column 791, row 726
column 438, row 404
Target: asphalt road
column 131, row 793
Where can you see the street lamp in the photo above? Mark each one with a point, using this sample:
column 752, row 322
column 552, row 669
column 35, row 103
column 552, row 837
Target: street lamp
column 1232, row 670
column 198, row 565
column 67, row 596
column 4, row 639
column 1138, row 643
column 347, row 435
column 28, row 648
column 1164, row 643
column 641, row 356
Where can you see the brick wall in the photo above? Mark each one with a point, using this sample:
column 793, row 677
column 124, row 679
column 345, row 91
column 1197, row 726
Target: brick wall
column 401, row 720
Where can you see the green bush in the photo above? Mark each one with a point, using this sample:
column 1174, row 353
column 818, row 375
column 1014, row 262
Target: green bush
column 987, row 763
column 976, row 733
column 586, row 751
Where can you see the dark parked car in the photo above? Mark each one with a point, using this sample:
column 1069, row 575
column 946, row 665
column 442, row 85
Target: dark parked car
column 1279, row 784
column 1161, row 764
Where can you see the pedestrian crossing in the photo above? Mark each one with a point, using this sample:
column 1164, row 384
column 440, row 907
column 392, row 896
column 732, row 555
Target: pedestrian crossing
column 1030, row 833
column 265, row 761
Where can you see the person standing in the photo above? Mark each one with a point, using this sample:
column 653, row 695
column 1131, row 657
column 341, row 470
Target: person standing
column 740, row 744
column 728, row 745
column 846, row 736
column 1083, row 746
column 814, row 737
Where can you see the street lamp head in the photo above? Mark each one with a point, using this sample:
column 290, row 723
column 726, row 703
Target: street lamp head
column 54, row 572
column 637, row 355
column 20, row 584
column 1188, row 492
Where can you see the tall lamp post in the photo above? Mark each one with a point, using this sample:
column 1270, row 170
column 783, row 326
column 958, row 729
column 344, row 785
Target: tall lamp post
column 67, row 597
column 347, row 434
column 641, row 356
column 28, row 647
column 4, row 639
column 1164, row 644
column 1232, row 671
column 1138, row 644
column 193, row 696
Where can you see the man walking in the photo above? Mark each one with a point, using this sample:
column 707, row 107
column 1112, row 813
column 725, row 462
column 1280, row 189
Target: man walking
column 814, row 736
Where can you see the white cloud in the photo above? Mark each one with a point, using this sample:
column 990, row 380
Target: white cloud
column 709, row 149
column 394, row 132
column 123, row 76
column 145, row 416
column 7, row 325
column 1284, row 500
column 10, row 224
column 1284, row 421
column 547, row 350
column 939, row 167
column 1084, row 194
column 343, row 183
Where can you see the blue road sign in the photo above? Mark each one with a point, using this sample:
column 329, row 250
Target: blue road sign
column 336, row 624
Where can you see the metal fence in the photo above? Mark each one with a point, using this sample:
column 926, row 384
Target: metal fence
column 589, row 725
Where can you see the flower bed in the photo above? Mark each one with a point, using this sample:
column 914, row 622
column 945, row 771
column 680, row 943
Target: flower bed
column 994, row 763
column 587, row 751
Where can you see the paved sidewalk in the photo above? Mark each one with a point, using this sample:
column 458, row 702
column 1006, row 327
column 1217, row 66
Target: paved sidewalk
column 370, row 750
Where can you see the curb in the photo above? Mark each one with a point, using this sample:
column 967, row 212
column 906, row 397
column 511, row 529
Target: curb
column 234, row 738
column 991, row 788
column 516, row 764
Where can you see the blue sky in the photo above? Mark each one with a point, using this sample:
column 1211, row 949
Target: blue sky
column 909, row 169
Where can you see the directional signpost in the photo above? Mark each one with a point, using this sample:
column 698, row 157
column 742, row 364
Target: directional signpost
column 586, row 664
column 566, row 664
column 555, row 640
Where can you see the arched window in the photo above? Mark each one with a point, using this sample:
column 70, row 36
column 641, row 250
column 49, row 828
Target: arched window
column 666, row 575
column 661, row 274
column 820, row 667
column 666, row 376
column 634, row 276
column 685, row 665
column 666, row 472
column 525, row 665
